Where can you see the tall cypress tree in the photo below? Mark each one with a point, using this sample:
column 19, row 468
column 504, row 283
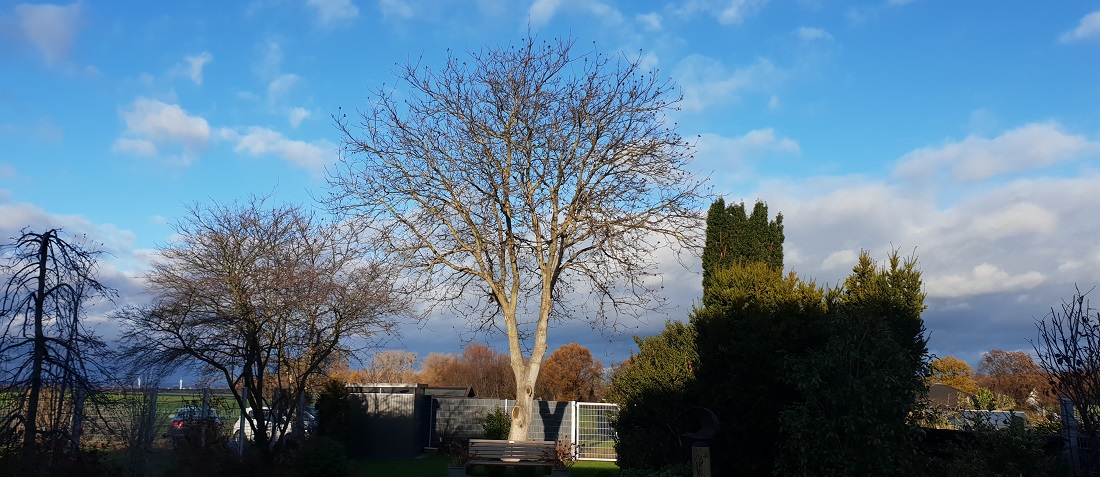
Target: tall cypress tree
column 736, row 237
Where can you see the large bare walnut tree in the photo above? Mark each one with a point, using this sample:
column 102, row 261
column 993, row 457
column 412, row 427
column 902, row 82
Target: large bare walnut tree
column 522, row 183
column 262, row 297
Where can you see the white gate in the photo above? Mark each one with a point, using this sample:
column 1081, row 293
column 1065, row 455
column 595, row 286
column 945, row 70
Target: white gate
column 592, row 432
column 587, row 424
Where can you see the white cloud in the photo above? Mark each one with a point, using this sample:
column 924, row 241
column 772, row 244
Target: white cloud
column 542, row 11
column 735, row 11
column 648, row 61
column 297, row 115
column 272, row 63
column 194, row 66
column 863, row 13
column 982, row 279
column 810, row 34
column 727, row 12
column 972, row 240
column 650, row 21
column 151, row 123
column 50, row 28
column 1014, row 219
column 137, row 147
column 259, row 141
column 840, row 260
column 114, row 269
column 281, row 85
column 330, row 12
column 493, row 7
column 706, row 82
column 1088, row 28
column 1032, row 146
column 730, row 158
column 395, row 9
column 751, row 144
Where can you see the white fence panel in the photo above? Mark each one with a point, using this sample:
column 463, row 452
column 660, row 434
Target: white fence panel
column 592, row 431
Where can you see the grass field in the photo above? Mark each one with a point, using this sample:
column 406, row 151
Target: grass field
column 436, row 466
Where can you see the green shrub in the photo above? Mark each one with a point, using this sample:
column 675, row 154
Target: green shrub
column 497, row 424
column 1014, row 451
column 652, row 389
column 322, row 456
column 332, row 410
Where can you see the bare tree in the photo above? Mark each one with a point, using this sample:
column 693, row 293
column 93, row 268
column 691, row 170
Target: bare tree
column 391, row 366
column 1068, row 348
column 486, row 371
column 49, row 355
column 524, row 183
column 262, row 297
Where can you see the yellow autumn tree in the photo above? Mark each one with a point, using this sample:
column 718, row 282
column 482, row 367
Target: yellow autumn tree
column 953, row 372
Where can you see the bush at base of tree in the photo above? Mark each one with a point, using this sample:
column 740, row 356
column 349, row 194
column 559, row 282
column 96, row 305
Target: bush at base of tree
column 497, row 423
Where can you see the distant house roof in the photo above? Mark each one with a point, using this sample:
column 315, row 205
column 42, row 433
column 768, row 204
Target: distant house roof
column 942, row 395
column 450, row 391
column 387, row 388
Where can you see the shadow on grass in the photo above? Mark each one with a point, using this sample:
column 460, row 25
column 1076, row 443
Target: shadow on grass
column 436, row 466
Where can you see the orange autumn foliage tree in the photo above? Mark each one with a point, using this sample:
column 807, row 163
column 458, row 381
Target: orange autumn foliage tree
column 1014, row 374
column 480, row 367
column 570, row 374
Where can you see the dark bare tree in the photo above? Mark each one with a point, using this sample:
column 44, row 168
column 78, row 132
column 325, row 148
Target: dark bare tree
column 49, row 357
column 262, row 297
column 1068, row 347
column 524, row 183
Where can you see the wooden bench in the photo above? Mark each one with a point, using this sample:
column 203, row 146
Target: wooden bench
column 489, row 452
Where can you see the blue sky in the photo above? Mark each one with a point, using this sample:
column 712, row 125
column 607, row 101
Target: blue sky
column 967, row 133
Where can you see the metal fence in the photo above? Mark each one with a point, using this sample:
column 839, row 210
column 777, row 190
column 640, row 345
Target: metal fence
column 586, row 425
column 112, row 421
column 592, row 431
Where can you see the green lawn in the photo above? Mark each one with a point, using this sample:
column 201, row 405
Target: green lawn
column 436, row 466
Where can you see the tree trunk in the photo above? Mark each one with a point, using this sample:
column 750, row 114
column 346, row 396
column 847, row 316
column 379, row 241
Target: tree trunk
column 525, row 396
column 30, row 426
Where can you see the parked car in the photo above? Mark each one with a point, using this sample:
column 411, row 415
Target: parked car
column 187, row 421
column 274, row 425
